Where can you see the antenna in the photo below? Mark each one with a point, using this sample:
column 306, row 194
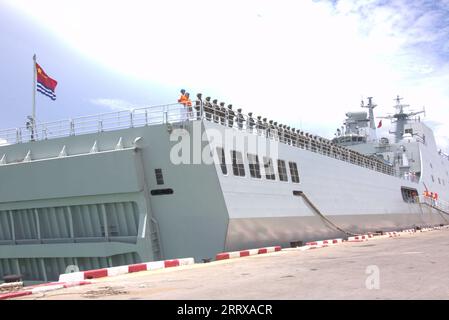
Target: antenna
column 370, row 107
column 401, row 117
column 400, row 107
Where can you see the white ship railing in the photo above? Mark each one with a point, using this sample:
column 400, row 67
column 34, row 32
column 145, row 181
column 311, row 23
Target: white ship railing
column 175, row 113
column 95, row 123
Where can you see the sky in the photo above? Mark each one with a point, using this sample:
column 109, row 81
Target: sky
column 303, row 63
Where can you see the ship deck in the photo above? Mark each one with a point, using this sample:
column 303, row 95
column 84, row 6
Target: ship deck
column 408, row 267
column 175, row 113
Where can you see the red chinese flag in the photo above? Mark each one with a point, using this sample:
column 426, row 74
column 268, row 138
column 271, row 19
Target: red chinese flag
column 44, row 79
column 45, row 84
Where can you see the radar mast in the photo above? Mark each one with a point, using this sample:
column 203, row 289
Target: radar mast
column 372, row 124
column 400, row 118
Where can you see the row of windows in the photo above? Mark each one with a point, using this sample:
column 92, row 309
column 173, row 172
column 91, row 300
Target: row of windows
column 439, row 180
column 238, row 168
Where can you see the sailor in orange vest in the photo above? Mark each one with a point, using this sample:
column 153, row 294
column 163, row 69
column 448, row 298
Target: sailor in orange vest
column 185, row 101
column 183, row 98
column 426, row 194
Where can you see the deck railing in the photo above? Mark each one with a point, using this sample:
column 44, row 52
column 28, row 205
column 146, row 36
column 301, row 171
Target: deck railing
column 175, row 113
column 439, row 204
column 94, row 123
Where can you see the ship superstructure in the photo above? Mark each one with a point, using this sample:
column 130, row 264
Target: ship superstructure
column 129, row 186
column 411, row 147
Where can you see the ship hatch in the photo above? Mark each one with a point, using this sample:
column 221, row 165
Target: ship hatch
column 409, row 194
column 159, row 192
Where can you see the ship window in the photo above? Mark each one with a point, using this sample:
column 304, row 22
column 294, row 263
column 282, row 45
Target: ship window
column 433, row 179
column 159, row 176
column 294, row 172
column 282, row 170
column 409, row 131
column 431, row 165
column 222, row 159
column 268, row 166
column 254, row 167
column 439, row 181
column 237, row 163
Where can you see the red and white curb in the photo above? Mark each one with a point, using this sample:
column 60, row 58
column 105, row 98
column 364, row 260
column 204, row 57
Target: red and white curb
column 246, row 253
column 42, row 288
column 427, row 229
column 115, row 271
column 362, row 238
column 409, row 231
column 323, row 243
column 442, row 227
column 359, row 238
column 392, row 234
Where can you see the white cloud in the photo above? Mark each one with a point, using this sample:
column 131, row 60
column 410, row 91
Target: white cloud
column 300, row 62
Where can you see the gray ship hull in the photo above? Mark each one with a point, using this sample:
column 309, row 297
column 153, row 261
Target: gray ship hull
column 101, row 203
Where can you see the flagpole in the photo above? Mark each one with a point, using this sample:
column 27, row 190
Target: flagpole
column 33, row 115
column 33, row 112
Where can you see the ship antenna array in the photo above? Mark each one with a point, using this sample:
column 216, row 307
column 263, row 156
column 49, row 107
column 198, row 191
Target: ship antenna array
column 400, row 107
column 370, row 106
column 400, row 117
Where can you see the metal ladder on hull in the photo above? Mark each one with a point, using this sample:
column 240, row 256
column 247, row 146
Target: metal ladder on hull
column 155, row 239
column 153, row 225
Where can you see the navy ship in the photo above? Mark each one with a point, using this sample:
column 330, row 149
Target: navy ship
column 175, row 181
